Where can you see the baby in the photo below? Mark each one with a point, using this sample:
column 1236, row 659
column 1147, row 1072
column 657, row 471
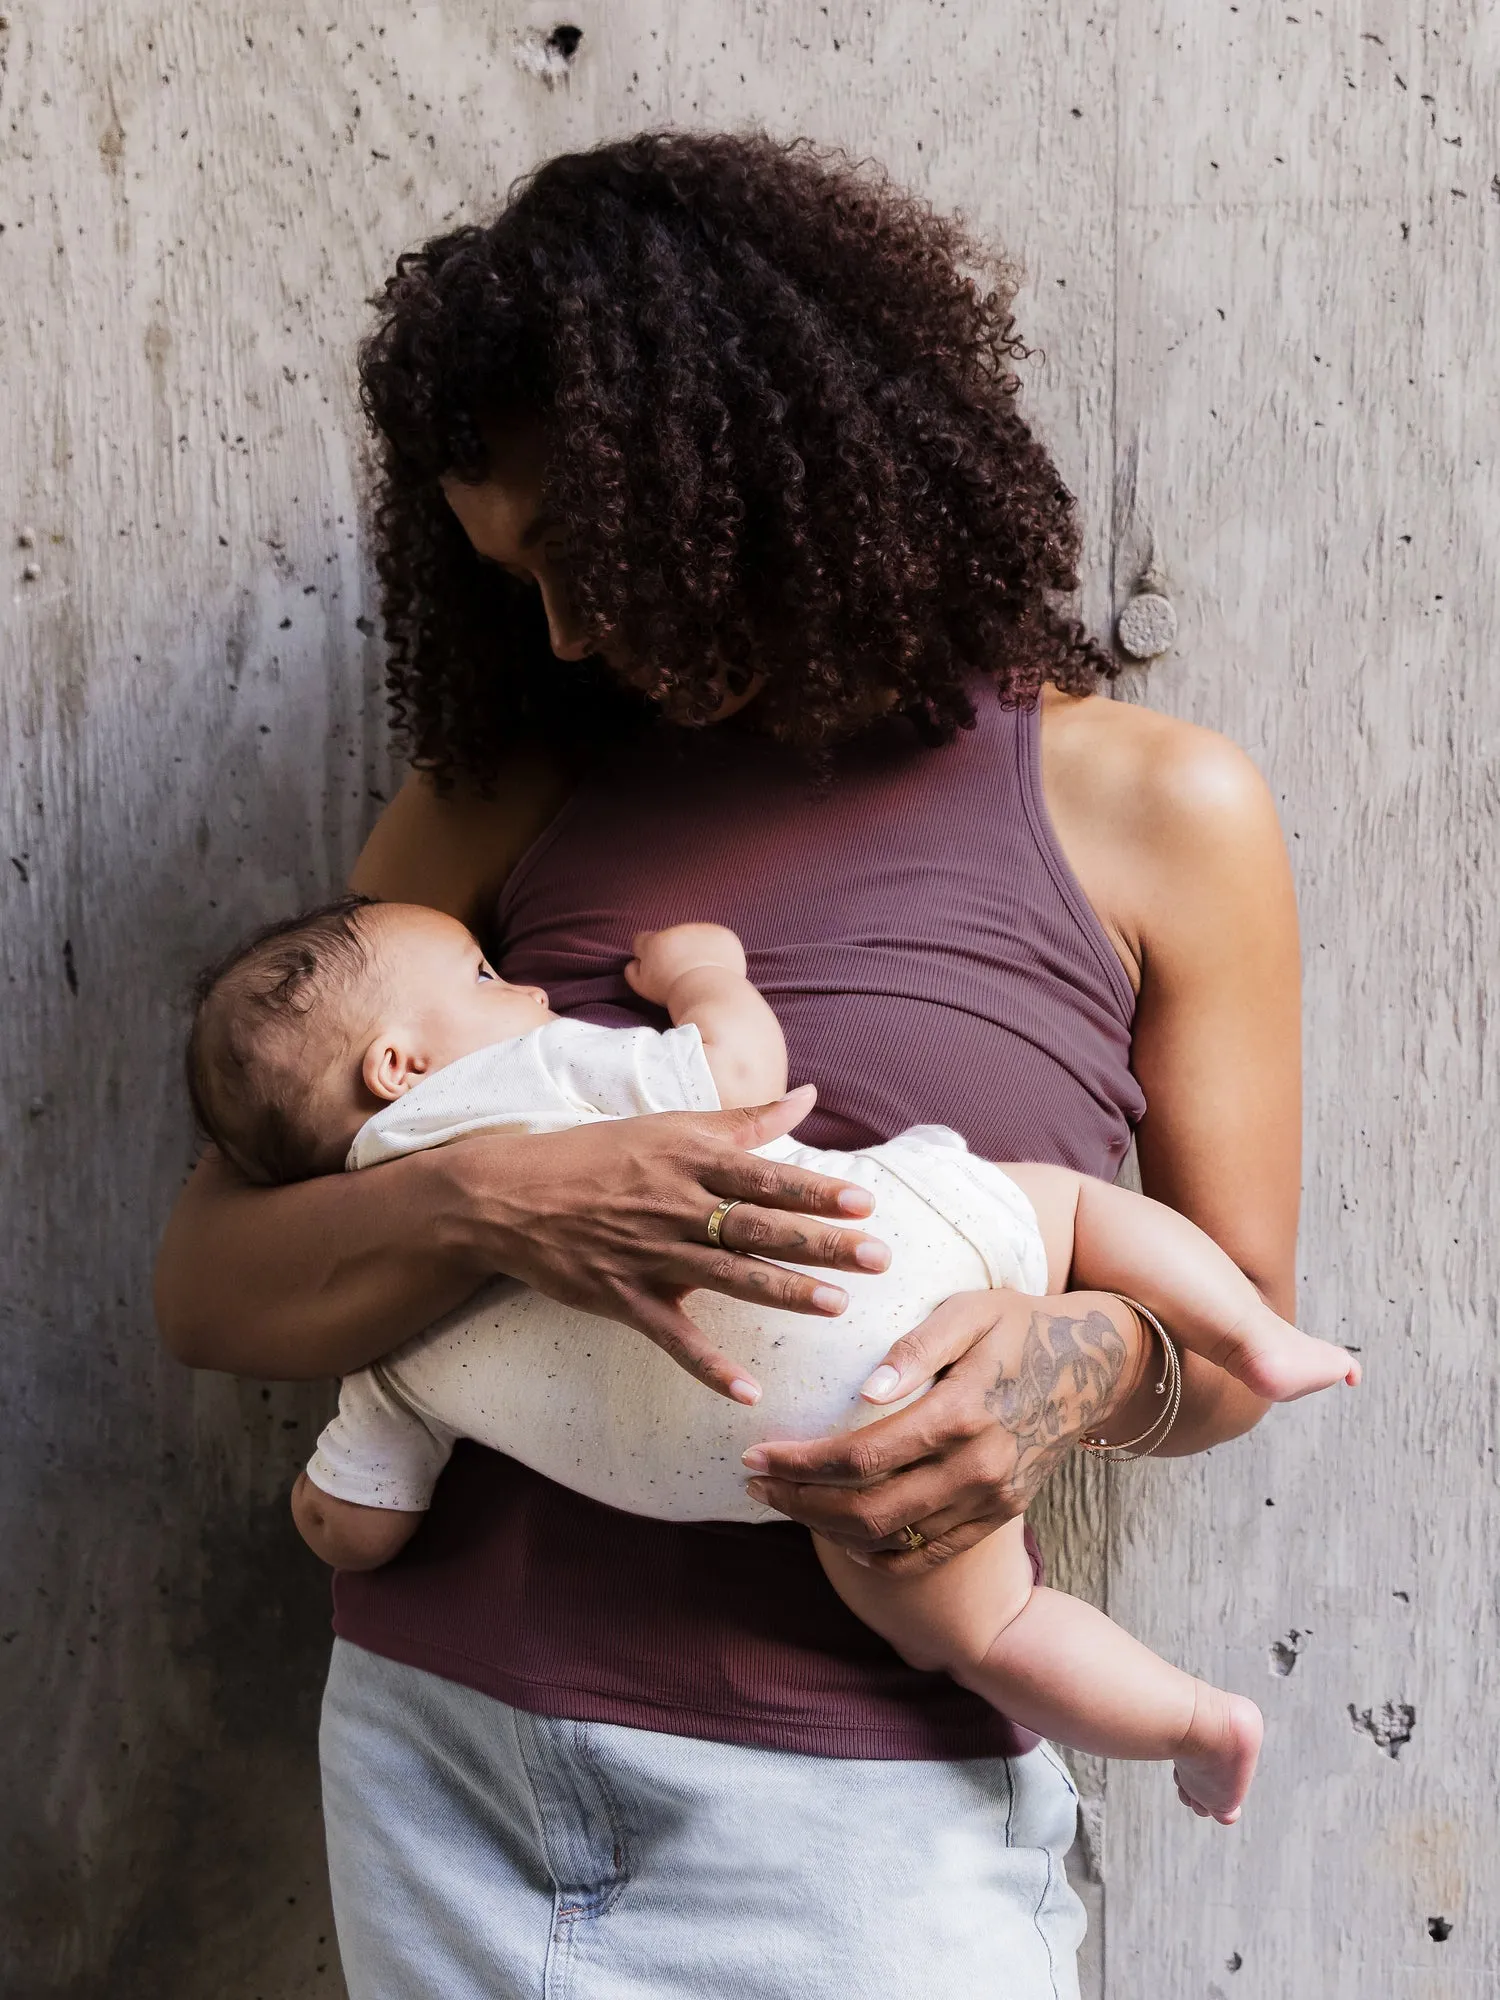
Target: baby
column 367, row 1030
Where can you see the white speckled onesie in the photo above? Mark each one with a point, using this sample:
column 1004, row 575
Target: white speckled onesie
column 594, row 1405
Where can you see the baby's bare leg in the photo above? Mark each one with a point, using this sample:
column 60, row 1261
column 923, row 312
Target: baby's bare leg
column 1056, row 1665
column 1205, row 1299
column 1105, row 1237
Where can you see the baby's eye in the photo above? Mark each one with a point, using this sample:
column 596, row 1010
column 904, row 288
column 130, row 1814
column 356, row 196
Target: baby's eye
column 485, row 972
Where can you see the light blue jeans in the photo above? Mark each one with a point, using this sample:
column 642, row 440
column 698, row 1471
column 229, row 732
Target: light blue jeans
column 479, row 1852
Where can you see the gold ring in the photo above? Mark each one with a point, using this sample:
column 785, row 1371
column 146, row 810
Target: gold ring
column 716, row 1223
column 912, row 1538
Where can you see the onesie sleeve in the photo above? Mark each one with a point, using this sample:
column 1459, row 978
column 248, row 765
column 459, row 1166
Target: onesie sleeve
column 623, row 1072
column 562, row 1074
column 378, row 1451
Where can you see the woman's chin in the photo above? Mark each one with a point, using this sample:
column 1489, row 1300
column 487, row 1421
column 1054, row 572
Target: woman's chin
column 683, row 706
column 731, row 701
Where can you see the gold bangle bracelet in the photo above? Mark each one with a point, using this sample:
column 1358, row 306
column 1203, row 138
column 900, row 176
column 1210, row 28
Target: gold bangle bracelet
column 1170, row 1387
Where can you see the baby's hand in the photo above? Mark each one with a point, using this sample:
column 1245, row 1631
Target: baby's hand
column 663, row 957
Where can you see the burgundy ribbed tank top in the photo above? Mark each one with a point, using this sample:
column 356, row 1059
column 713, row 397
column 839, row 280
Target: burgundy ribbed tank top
column 932, row 960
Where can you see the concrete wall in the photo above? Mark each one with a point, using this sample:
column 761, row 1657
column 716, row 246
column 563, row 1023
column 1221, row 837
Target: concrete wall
column 1262, row 248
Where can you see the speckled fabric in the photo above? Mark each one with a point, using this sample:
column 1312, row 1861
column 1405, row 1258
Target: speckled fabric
column 589, row 1403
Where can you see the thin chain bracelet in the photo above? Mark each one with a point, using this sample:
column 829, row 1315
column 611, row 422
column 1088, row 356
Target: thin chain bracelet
column 1170, row 1386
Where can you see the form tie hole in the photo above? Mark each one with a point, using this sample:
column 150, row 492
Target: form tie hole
column 549, row 55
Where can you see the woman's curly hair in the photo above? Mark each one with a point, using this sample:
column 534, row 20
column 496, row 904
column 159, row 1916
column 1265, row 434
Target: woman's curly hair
column 782, row 437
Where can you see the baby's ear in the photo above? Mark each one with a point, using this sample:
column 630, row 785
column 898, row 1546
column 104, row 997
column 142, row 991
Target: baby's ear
column 392, row 1064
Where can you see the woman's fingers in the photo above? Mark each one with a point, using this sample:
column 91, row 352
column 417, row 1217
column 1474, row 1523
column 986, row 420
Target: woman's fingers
column 943, row 1338
column 757, row 1282
column 683, row 1342
column 758, row 1124
column 854, row 1520
column 940, row 1500
column 757, row 1232
column 742, row 1174
column 939, row 1545
column 872, row 1454
column 772, row 1184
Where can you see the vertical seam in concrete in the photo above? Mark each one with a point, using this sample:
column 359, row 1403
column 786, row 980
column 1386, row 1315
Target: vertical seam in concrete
column 1101, row 1858
column 1114, row 326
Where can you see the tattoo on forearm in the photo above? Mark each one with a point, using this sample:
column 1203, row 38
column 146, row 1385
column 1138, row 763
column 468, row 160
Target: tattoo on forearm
column 1069, row 1370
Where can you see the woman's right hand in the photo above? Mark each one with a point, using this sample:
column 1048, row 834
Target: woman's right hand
column 613, row 1218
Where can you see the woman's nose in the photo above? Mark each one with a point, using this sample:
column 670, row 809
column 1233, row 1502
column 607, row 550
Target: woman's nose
column 568, row 640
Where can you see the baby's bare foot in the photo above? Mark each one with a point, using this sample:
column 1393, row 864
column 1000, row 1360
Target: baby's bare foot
column 1217, row 1760
column 1280, row 1362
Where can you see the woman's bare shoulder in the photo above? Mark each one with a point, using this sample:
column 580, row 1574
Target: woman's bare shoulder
column 453, row 850
column 1116, row 771
column 1156, row 815
column 1153, row 768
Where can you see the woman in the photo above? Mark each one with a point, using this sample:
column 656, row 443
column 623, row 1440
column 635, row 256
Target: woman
column 709, row 535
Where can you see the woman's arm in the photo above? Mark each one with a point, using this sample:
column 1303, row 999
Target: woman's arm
column 1174, row 838
column 320, row 1278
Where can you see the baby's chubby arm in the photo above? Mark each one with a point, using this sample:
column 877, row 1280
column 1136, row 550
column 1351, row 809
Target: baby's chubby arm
column 345, row 1535
column 1105, row 1238
column 697, row 972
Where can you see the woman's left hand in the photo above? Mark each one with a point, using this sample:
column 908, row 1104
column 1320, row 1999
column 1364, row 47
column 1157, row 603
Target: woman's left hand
column 1016, row 1380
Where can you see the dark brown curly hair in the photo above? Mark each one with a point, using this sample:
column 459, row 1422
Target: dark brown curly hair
column 782, row 435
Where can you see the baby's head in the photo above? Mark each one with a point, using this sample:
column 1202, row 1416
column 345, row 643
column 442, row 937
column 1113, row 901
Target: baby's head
column 314, row 1024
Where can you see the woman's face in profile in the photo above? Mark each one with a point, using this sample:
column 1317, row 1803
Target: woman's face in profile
column 505, row 519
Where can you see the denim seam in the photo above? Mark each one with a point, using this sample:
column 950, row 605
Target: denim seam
column 1036, row 1918
column 557, row 1960
column 614, row 1812
column 1051, row 1757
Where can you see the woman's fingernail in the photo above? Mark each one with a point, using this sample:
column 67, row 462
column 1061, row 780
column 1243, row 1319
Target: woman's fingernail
column 754, row 1460
column 881, row 1383
column 871, row 1256
column 854, row 1201
column 757, row 1491
column 829, row 1299
column 743, row 1391
column 863, row 1561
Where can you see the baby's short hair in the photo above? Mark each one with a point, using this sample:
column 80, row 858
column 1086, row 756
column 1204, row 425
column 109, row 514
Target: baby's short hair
column 263, row 1017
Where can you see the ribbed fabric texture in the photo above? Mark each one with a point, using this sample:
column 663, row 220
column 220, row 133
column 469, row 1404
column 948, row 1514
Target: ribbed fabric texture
column 932, row 961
